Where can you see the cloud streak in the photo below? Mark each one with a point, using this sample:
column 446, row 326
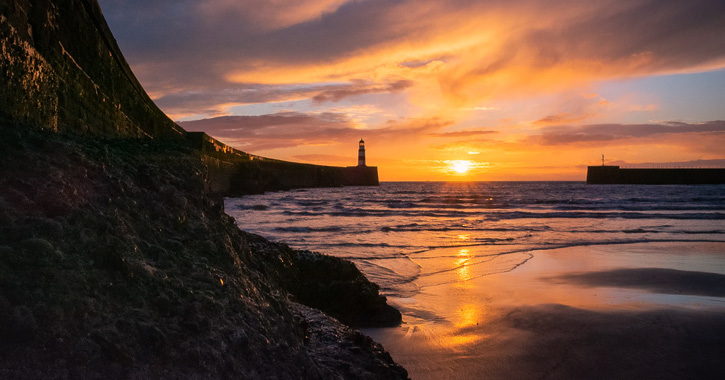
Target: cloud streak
column 614, row 132
column 357, row 88
column 466, row 133
column 294, row 129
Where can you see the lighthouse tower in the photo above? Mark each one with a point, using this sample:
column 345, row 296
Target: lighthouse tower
column 361, row 154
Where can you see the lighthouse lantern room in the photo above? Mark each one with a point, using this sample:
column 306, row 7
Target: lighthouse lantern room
column 361, row 154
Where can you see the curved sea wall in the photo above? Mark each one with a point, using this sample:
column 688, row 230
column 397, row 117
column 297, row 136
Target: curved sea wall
column 62, row 70
column 116, row 258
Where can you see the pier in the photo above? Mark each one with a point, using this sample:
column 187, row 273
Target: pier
column 600, row 175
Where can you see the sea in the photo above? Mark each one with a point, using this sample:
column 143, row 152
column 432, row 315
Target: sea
column 400, row 233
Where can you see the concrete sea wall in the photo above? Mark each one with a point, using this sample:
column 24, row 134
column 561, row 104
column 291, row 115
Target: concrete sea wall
column 61, row 69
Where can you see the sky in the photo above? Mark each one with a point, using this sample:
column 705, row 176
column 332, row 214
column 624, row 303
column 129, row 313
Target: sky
column 440, row 90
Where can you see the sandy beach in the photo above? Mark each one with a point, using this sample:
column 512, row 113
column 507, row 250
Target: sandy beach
column 647, row 310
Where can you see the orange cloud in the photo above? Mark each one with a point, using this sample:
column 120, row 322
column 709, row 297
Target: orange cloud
column 448, row 54
column 457, row 56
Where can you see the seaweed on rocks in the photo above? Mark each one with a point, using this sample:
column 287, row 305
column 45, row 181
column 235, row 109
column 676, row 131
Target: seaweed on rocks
column 116, row 262
column 328, row 283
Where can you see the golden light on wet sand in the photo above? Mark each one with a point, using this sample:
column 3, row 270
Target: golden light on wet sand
column 462, row 271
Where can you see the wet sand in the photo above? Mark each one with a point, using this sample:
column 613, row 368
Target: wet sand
column 649, row 310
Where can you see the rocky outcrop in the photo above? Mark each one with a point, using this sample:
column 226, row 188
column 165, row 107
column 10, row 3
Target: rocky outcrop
column 331, row 284
column 116, row 258
column 115, row 263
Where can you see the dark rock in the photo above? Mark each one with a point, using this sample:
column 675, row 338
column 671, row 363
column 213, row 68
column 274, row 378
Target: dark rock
column 152, row 337
column 109, row 339
column 5, row 218
column 35, row 251
column 239, row 341
column 111, row 257
column 162, row 304
column 44, row 228
column 6, row 254
column 337, row 287
column 87, row 236
column 174, row 246
column 361, row 356
column 87, row 351
column 17, row 325
column 331, row 284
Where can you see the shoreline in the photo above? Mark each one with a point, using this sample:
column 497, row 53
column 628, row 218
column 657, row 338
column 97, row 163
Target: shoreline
column 604, row 311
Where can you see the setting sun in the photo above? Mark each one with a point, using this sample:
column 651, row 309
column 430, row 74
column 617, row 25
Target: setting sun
column 460, row 166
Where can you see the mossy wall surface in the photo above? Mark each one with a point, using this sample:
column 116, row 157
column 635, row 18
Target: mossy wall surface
column 61, row 69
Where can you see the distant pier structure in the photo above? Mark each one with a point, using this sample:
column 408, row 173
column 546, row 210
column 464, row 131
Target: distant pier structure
column 614, row 175
column 361, row 154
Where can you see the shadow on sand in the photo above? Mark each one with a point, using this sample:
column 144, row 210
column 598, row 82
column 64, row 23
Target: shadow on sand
column 655, row 280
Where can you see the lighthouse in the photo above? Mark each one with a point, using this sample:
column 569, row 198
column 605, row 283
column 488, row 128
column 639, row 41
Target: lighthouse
column 360, row 175
column 361, row 154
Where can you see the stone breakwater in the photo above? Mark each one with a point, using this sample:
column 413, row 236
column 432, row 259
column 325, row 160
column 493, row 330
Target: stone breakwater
column 116, row 263
column 232, row 172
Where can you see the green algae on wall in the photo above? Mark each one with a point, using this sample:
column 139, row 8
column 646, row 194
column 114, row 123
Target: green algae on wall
column 61, row 69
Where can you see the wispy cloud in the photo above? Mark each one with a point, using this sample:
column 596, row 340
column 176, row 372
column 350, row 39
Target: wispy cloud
column 465, row 133
column 561, row 118
column 360, row 88
column 292, row 129
column 612, row 132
